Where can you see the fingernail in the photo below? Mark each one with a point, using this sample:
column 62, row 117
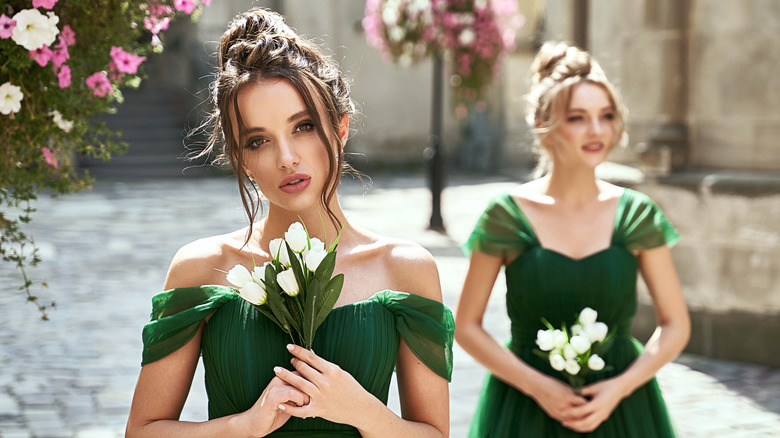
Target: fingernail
column 282, row 408
column 290, row 347
column 292, row 361
column 277, row 370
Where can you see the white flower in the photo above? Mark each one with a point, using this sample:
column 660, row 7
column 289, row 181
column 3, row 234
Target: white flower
column 278, row 250
column 596, row 332
column 34, row 30
column 572, row 367
column 557, row 362
column 389, row 16
column 10, row 98
column 239, row 276
column 296, row 237
column 287, row 282
column 396, row 34
column 65, row 125
column 253, row 293
column 559, row 338
column 576, row 329
column 544, row 339
column 595, row 362
column 466, row 37
column 313, row 258
column 588, row 316
column 569, row 352
column 317, row 244
column 580, row 343
column 258, row 274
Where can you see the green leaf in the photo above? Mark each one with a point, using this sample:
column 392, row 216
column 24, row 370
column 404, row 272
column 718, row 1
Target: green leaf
column 330, row 295
column 295, row 265
column 313, row 297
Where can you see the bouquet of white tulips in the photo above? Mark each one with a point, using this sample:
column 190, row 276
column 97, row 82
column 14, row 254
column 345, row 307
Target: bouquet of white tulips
column 575, row 351
column 294, row 290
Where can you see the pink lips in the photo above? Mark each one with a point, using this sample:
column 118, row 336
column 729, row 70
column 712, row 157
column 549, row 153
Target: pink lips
column 593, row 147
column 295, row 183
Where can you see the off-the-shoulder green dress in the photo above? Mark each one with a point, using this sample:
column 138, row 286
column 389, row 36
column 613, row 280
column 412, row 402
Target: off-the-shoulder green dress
column 240, row 346
column 542, row 283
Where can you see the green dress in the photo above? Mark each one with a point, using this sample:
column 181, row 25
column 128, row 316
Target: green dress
column 542, row 283
column 241, row 346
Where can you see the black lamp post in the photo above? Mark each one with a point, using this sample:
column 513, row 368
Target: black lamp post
column 433, row 153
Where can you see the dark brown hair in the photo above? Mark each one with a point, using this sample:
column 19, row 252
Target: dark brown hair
column 258, row 45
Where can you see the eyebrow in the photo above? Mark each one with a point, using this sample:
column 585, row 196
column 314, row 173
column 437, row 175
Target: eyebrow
column 299, row 115
column 606, row 108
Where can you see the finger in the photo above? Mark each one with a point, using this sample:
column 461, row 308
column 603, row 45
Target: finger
column 310, row 358
column 299, row 411
column 295, row 380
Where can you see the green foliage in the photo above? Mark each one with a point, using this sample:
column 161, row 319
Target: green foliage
column 25, row 172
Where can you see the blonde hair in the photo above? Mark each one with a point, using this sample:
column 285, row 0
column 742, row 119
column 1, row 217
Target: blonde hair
column 557, row 69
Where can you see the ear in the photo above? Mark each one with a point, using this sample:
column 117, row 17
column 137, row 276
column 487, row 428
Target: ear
column 344, row 129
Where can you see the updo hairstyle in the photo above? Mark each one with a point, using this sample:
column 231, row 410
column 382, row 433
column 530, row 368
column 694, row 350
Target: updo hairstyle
column 556, row 70
column 257, row 46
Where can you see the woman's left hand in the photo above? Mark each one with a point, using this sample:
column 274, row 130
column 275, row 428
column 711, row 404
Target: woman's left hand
column 334, row 394
column 604, row 396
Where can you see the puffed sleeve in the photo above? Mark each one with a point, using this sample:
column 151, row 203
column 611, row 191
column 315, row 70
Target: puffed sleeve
column 176, row 317
column 426, row 326
column 500, row 230
column 642, row 225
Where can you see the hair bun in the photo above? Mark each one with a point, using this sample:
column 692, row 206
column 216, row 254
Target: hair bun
column 559, row 61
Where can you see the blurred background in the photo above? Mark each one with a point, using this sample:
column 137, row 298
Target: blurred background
column 700, row 81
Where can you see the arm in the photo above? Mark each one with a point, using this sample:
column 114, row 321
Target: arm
column 163, row 386
column 556, row 398
column 424, row 396
column 666, row 343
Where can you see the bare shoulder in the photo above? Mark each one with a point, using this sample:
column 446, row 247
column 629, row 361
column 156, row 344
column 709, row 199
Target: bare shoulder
column 531, row 191
column 412, row 268
column 199, row 262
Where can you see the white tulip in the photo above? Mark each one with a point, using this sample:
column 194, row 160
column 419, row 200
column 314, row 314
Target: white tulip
column 278, row 249
column 239, row 276
column 559, row 338
column 572, row 367
column 576, row 329
column 569, row 352
column 544, row 339
column 313, row 258
column 253, row 293
column 317, row 244
column 595, row 362
column 596, row 332
column 580, row 343
column 588, row 316
column 296, row 237
column 557, row 362
column 287, row 282
column 34, row 30
column 258, row 274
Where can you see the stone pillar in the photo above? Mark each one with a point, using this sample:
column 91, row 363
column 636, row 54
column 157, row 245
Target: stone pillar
column 668, row 148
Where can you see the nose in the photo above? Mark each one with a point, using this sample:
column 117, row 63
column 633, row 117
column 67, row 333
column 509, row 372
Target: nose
column 288, row 158
column 595, row 125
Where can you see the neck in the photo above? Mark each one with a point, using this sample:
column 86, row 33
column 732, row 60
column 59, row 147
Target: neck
column 317, row 222
column 572, row 185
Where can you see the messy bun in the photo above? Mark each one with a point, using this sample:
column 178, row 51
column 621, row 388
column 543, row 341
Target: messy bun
column 556, row 70
column 258, row 45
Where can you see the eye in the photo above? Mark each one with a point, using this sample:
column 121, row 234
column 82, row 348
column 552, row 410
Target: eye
column 609, row 116
column 572, row 119
column 255, row 143
column 305, row 126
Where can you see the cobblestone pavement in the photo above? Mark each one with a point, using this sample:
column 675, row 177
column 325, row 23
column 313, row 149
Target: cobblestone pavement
column 105, row 253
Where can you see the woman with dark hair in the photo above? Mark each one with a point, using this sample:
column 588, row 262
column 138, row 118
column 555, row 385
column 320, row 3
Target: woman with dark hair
column 282, row 112
column 568, row 241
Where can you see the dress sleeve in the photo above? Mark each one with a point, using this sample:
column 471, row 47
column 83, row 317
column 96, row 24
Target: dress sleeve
column 642, row 224
column 499, row 230
column 426, row 326
column 176, row 317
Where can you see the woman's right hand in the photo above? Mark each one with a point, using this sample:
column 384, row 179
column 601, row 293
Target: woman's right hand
column 265, row 416
column 556, row 398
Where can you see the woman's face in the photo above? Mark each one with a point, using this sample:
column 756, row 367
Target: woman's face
column 281, row 149
column 587, row 133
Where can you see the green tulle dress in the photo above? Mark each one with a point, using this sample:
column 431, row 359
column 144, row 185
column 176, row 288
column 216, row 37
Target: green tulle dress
column 240, row 346
column 542, row 283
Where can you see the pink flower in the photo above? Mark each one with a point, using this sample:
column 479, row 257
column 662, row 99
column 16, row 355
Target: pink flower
column 67, row 36
column 6, row 26
column 186, row 6
column 49, row 157
column 64, row 76
column 59, row 55
column 158, row 18
column 41, row 55
column 125, row 62
column 45, row 4
column 207, row 2
column 99, row 84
